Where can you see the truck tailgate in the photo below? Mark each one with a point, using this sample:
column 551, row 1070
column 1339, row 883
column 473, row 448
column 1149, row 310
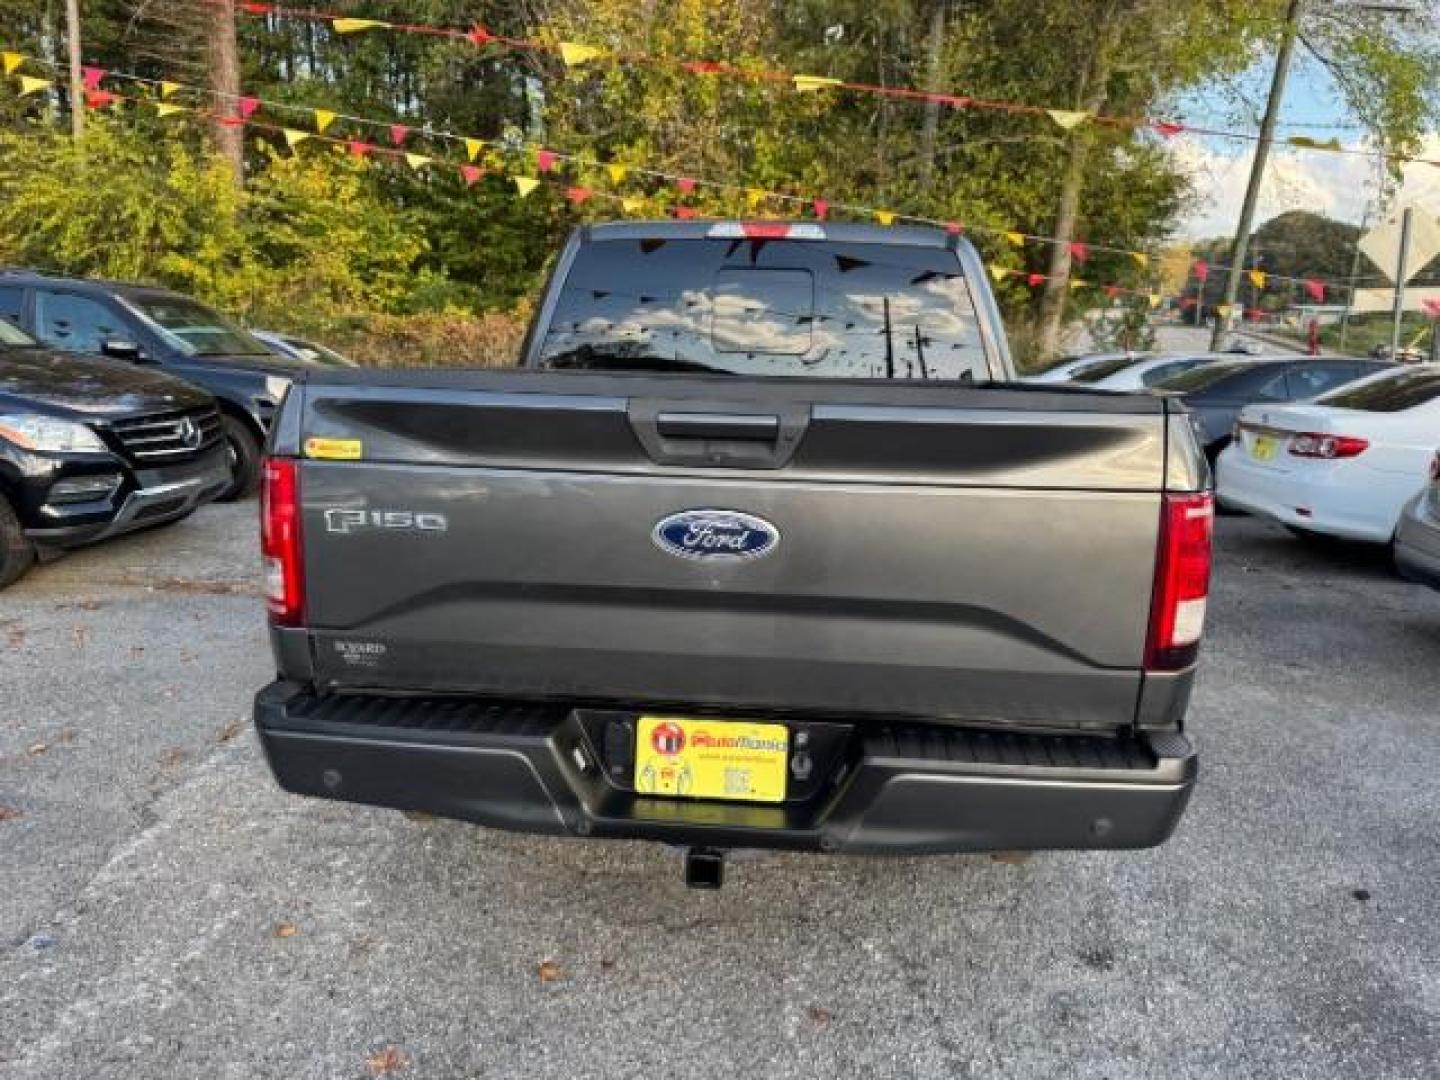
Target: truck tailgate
column 983, row 554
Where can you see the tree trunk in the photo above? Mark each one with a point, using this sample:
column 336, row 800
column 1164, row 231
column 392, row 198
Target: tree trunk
column 936, row 53
column 1090, row 96
column 225, row 82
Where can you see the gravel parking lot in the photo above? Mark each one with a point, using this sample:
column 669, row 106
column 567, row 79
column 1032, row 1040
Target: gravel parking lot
column 167, row 912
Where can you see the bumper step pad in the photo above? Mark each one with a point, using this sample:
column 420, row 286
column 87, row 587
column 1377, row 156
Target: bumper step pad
column 903, row 788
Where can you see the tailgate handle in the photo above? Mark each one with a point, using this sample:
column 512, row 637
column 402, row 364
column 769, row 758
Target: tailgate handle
column 680, row 425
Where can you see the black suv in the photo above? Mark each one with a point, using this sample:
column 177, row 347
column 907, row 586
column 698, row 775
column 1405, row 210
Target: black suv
column 90, row 449
column 145, row 325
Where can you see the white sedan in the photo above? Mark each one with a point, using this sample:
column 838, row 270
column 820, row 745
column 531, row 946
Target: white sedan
column 1343, row 465
column 1141, row 372
column 1072, row 366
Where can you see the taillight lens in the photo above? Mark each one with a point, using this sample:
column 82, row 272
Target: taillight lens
column 1182, row 581
column 280, row 541
column 1312, row 444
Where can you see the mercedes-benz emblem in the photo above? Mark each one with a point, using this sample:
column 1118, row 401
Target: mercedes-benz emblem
column 188, row 433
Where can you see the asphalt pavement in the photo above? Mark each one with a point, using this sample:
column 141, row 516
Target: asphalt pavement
column 165, row 911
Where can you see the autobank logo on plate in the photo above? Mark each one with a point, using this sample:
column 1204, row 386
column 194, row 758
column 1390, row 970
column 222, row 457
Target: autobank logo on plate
column 716, row 535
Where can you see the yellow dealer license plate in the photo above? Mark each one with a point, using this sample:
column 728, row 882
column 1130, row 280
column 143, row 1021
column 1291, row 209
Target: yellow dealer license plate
column 711, row 759
column 1264, row 447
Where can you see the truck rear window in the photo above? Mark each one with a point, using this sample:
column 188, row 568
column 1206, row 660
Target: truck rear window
column 767, row 307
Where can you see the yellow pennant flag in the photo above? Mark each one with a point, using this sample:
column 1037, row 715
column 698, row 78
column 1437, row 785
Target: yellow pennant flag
column 323, row 119
column 473, row 148
column 29, row 84
column 294, row 138
column 574, row 54
column 1141, row 259
column 1258, row 278
column 165, row 108
column 1076, row 283
column 885, row 217
column 1224, row 311
column 525, row 184
column 632, row 204
column 11, row 61
column 754, row 197
column 813, row 82
column 167, row 89
column 1018, row 239
column 617, row 173
column 417, row 161
column 1067, row 118
column 999, row 273
column 355, row 26
column 1155, row 299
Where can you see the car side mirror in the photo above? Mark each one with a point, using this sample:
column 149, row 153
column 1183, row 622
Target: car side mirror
column 120, row 349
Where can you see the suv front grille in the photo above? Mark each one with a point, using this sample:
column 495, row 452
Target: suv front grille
column 167, row 436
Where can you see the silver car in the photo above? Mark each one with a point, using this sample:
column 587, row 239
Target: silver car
column 1417, row 540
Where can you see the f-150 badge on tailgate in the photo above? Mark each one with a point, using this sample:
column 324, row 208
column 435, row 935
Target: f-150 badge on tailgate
column 715, row 535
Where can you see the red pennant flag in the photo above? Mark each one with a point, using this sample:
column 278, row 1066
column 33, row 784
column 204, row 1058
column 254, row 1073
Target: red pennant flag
column 1316, row 290
column 685, row 184
column 1167, row 128
column 1432, row 308
column 360, row 149
column 545, row 160
column 255, row 9
column 248, row 105
column 92, row 77
column 1079, row 252
column 705, row 67
column 684, row 213
column 1035, row 279
column 478, row 35
column 577, row 195
column 821, row 208
column 1112, row 291
column 98, row 99
column 471, row 173
column 954, row 228
column 398, row 134
column 229, row 121
column 1202, row 270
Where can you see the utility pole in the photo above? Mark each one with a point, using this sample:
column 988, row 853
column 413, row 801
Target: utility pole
column 1257, row 169
column 1401, row 272
column 77, row 83
column 1354, row 277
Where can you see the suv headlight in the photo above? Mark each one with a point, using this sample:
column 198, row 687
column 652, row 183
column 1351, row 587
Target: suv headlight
column 45, row 434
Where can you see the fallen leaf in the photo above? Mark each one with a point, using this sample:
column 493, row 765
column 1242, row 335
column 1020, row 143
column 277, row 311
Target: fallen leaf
column 174, row 756
column 818, row 1014
column 230, row 730
column 9, row 813
column 1010, row 858
column 286, row 929
column 38, row 748
column 82, row 633
column 15, row 636
column 550, row 971
column 385, row 1061
column 607, row 965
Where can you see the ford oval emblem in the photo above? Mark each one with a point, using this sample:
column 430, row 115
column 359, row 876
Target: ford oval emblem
column 715, row 535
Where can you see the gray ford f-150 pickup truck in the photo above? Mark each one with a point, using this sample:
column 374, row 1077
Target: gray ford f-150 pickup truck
column 760, row 547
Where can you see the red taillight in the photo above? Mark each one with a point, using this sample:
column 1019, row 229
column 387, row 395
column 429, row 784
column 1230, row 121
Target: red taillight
column 1313, row 444
column 1182, row 581
column 280, row 541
